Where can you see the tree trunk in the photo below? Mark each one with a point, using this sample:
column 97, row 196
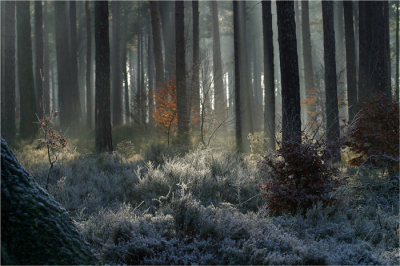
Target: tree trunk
column 124, row 60
column 39, row 58
column 269, row 85
column 258, row 99
column 167, row 18
column 139, row 92
column 196, row 64
column 350, row 59
column 332, row 111
column 117, row 74
column 219, row 97
column 89, row 89
column 35, row 228
column 63, row 65
column 46, row 72
column 378, row 70
column 340, row 59
column 103, row 137
column 150, row 71
column 75, row 102
column 386, row 24
column 25, row 72
column 238, row 111
column 143, row 95
column 245, row 79
column 303, row 109
column 8, row 129
column 182, row 110
column 156, row 28
column 308, row 65
column 291, row 122
column 397, row 50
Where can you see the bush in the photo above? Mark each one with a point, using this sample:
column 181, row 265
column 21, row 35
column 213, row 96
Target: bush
column 374, row 135
column 301, row 175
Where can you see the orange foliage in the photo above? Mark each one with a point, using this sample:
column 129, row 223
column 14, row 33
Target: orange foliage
column 165, row 112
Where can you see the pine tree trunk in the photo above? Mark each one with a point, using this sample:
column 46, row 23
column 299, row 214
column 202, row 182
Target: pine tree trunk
column 220, row 102
column 63, row 65
column 238, row 111
column 182, row 110
column 25, row 72
column 246, row 85
column 103, row 137
column 8, row 129
column 332, row 111
column 303, row 109
column 196, row 64
column 150, row 71
column 308, row 65
column 75, row 102
column 340, row 59
column 269, row 85
column 143, row 95
column 386, row 16
column 291, row 122
column 378, row 70
column 124, row 61
column 156, row 28
column 39, row 58
column 258, row 100
column 89, row 89
column 168, row 31
column 117, row 77
column 397, row 50
column 350, row 59
column 46, row 72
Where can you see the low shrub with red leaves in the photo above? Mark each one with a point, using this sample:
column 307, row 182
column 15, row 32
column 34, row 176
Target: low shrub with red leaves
column 374, row 135
column 301, row 176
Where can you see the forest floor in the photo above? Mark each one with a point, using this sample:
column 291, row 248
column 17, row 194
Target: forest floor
column 154, row 207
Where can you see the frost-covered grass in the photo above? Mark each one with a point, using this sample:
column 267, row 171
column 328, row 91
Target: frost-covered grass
column 206, row 208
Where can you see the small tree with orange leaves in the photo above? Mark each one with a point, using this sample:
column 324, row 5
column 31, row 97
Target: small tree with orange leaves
column 165, row 114
column 54, row 141
column 165, row 111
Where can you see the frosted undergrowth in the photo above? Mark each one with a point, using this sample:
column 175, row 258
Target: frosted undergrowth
column 205, row 208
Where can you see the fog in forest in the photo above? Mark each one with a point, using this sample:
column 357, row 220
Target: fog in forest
column 199, row 108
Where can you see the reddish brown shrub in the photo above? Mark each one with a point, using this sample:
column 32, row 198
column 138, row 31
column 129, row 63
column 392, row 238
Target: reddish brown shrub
column 374, row 135
column 301, row 176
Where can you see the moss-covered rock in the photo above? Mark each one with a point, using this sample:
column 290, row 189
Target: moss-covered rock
column 35, row 229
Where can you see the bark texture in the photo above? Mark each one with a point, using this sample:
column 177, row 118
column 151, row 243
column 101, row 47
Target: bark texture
column 75, row 102
column 332, row 110
column 35, row 229
column 89, row 97
column 156, row 28
column 308, row 65
column 8, row 129
column 269, row 85
column 117, row 117
column 63, row 65
column 103, row 137
column 219, row 90
column 350, row 59
column 39, row 57
column 182, row 109
column 291, row 123
column 25, row 72
column 238, row 111
column 196, row 63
